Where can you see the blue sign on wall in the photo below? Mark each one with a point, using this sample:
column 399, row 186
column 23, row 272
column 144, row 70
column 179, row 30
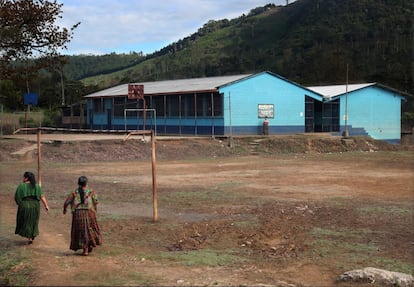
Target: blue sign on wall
column 30, row 99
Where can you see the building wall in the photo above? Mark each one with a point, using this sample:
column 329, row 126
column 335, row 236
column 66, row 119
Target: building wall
column 101, row 116
column 373, row 111
column 98, row 119
column 241, row 101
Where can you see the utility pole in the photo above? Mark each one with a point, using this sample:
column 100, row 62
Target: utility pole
column 346, row 132
column 230, row 143
column 62, row 86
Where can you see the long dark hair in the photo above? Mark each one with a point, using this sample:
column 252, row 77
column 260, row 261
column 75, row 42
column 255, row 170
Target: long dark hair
column 31, row 177
column 82, row 182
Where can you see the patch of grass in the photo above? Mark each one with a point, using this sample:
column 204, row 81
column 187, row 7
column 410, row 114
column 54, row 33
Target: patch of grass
column 335, row 247
column 211, row 194
column 131, row 195
column 351, row 252
column 156, row 242
column 331, row 243
column 14, row 267
column 118, row 279
column 203, row 257
column 343, row 232
column 114, row 216
column 247, row 223
column 394, row 265
column 385, row 209
column 111, row 251
column 340, row 200
column 339, row 244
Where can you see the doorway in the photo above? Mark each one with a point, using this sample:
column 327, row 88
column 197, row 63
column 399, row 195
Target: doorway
column 321, row 116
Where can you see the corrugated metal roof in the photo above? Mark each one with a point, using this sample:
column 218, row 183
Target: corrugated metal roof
column 172, row 86
column 336, row 90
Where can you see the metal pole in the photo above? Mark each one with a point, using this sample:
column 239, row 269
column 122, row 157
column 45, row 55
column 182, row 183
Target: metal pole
column 212, row 114
column 154, row 179
column 144, row 114
column 39, row 156
column 125, row 120
column 180, row 111
column 195, row 114
column 346, row 132
column 231, row 127
column 62, row 87
column 155, row 122
column 1, row 121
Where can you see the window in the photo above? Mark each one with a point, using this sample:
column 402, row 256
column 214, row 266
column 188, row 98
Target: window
column 190, row 111
column 173, row 105
column 158, row 105
column 119, row 105
column 97, row 105
column 218, row 105
column 201, row 99
column 208, row 105
column 330, row 117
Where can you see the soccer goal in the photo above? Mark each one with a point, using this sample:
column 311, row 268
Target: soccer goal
column 150, row 133
column 141, row 117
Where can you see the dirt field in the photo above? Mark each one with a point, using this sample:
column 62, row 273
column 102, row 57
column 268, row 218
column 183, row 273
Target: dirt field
column 280, row 211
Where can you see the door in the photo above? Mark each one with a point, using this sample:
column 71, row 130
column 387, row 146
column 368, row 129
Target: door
column 309, row 115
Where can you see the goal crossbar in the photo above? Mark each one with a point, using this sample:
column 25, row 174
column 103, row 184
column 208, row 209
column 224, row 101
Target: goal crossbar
column 154, row 112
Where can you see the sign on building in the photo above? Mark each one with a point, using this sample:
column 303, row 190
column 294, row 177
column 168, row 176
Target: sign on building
column 266, row 111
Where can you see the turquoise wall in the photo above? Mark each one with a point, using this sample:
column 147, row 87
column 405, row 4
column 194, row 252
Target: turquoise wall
column 373, row 110
column 100, row 119
column 241, row 100
column 171, row 125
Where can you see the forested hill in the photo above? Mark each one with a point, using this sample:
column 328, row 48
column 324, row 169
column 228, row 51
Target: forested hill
column 309, row 41
column 83, row 66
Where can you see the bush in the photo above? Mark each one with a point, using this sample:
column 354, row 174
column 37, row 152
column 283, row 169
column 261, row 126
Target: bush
column 52, row 118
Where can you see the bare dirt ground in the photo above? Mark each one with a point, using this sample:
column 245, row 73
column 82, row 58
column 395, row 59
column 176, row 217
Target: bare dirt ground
column 281, row 211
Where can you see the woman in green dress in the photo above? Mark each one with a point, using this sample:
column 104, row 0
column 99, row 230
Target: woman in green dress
column 28, row 196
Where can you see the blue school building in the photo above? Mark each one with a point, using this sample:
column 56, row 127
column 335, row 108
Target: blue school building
column 239, row 104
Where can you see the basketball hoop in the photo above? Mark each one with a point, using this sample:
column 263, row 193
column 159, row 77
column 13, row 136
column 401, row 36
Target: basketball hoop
column 135, row 91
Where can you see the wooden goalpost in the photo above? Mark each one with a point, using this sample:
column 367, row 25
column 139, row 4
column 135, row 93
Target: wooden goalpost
column 140, row 132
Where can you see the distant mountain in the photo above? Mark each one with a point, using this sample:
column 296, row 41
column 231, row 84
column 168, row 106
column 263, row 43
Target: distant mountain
column 309, row 41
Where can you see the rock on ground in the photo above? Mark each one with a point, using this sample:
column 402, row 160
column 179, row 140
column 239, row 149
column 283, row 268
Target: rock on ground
column 378, row 276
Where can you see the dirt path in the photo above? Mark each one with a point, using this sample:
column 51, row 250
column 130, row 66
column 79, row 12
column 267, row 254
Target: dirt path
column 300, row 219
column 56, row 265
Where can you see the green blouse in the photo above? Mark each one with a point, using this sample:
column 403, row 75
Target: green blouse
column 26, row 190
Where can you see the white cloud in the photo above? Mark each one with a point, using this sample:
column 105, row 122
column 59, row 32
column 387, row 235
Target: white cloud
column 143, row 25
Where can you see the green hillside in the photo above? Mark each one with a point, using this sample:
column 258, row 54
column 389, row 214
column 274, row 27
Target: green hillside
column 83, row 66
column 309, row 41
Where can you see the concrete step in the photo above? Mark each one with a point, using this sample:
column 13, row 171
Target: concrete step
column 24, row 151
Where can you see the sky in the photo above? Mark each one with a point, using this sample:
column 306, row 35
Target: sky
column 124, row 26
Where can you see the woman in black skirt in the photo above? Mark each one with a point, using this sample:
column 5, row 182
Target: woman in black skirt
column 85, row 232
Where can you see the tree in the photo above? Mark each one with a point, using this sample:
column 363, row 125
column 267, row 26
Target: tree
column 29, row 37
